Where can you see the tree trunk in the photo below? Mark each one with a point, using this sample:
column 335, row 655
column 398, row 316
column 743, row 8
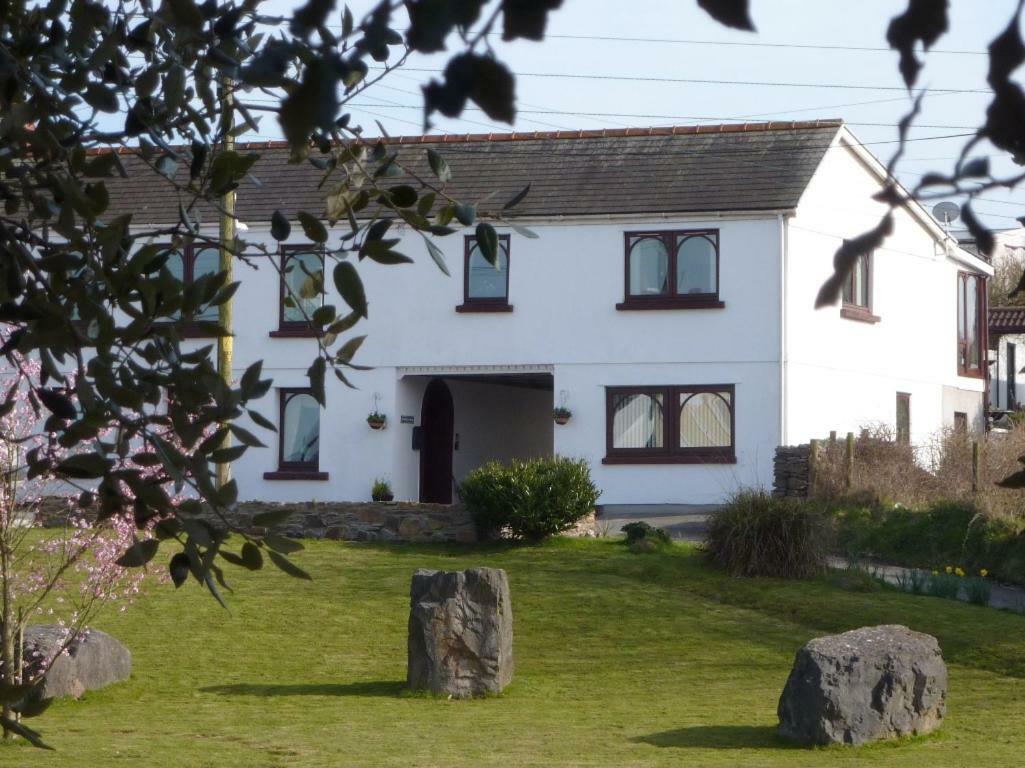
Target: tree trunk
column 10, row 674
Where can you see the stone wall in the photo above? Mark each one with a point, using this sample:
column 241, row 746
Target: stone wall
column 791, row 471
column 352, row 521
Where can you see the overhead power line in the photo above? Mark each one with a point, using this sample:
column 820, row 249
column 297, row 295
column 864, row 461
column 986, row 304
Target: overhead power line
column 715, row 118
column 744, row 44
column 697, row 81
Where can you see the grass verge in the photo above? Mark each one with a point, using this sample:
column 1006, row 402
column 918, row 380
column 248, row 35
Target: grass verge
column 621, row 659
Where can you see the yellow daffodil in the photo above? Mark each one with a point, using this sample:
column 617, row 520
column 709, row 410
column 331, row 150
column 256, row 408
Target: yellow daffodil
column 959, row 572
column 935, row 573
column 984, row 573
column 949, row 569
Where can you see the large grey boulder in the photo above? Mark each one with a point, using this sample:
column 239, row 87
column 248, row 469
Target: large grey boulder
column 92, row 661
column 867, row 684
column 460, row 632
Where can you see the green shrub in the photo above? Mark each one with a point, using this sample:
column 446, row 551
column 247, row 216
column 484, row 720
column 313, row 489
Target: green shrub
column 756, row 534
column 530, row 499
column 943, row 532
column 642, row 537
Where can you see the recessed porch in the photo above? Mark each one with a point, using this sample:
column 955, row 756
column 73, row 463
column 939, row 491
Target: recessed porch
column 468, row 416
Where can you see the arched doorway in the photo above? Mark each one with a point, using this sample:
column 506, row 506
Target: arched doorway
column 436, row 424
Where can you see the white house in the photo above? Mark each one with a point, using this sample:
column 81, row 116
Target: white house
column 667, row 301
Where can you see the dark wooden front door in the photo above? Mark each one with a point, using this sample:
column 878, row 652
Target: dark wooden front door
column 436, row 422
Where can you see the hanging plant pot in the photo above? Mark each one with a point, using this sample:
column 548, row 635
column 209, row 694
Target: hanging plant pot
column 376, row 421
column 561, row 415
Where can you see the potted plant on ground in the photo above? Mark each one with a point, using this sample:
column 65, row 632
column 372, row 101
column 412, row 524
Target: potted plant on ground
column 376, row 420
column 381, row 490
column 562, row 415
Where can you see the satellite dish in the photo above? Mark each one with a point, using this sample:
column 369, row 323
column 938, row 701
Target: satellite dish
column 946, row 211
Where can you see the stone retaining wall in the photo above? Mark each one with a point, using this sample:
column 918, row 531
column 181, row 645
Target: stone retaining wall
column 350, row 520
column 791, row 470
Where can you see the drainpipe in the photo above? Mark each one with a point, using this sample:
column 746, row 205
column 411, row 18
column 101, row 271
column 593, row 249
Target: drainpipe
column 783, row 222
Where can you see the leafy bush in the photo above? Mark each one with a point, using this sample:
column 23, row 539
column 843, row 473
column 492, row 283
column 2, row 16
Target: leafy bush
column 642, row 537
column 944, row 532
column 756, row 534
column 530, row 499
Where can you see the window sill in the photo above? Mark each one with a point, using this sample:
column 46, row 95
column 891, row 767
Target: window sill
column 295, row 333
column 668, row 302
column 694, row 458
column 860, row 314
column 472, row 306
column 970, row 374
column 296, row 474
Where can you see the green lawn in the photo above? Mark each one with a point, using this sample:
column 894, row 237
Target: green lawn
column 621, row 660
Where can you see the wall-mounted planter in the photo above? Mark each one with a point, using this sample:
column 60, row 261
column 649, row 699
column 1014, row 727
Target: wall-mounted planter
column 376, row 421
column 561, row 415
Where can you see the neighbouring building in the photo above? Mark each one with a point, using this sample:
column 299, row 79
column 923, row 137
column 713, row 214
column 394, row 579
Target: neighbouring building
column 667, row 302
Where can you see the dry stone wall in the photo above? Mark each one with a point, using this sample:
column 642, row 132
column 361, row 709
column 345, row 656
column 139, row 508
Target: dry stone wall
column 351, row 521
column 791, row 472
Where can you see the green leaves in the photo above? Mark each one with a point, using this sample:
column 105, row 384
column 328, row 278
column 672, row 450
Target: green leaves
column 482, row 79
column 140, row 553
column 439, row 167
column 179, row 568
column 101, row 98
column 83, row 466
column 487, row 241
column 287, row 566
column 925, row 21
column 350, row 287
column 280, row 228
column 730, row 13
column 272, row 517
column 312, row 227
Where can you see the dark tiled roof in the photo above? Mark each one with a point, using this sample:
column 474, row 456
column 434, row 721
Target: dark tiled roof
column 764, row 166
column 1007, row 320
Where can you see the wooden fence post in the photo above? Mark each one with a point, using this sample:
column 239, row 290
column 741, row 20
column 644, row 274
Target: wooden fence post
column 975, row 466
column 849, row 474
column 813, row 458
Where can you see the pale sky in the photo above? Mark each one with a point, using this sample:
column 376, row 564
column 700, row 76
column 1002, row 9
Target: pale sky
column 860, row 86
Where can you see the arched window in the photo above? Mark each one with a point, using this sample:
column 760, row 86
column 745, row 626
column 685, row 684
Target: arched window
column 485, row 285
column 300, row 430
column 696, row 266
column 302, row 290
column 672, row 270
column 649, row 267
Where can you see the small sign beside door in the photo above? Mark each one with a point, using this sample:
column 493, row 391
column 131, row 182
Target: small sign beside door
column 405, row 419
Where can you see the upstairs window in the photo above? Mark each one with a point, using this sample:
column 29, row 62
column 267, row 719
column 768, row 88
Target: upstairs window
column 485, row 285
column 188, row 266
column 971, row 340
column 857, row 292
column 672, row 270
column 298, row 437
column 681, row 424
column 302, row 290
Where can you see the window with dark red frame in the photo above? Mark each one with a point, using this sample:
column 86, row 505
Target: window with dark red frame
column 485, row 285
column 690, row 424
column 301, row 289
column 298, row 437
column 971, row 331
column 676, row 269
column 188, row 265
column 857, row 292
column 903, row 417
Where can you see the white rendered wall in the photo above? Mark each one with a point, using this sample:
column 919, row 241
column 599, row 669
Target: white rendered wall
column 998, row 382
column 564, row 286
column 843, row 374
